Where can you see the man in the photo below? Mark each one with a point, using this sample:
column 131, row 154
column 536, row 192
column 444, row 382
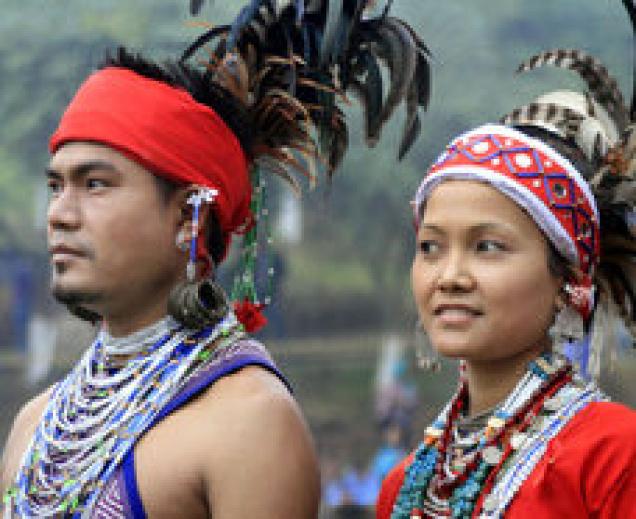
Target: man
column 173, row 411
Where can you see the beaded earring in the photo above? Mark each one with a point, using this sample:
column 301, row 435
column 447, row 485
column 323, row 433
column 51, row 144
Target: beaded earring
column 197, row 304
column 196, row 199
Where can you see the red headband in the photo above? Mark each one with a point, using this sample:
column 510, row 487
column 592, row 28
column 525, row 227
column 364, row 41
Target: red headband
column 165, row 130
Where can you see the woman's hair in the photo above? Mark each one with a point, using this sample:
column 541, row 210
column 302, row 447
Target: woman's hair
column 594, row 131
column 559, row 266
column 565, row 147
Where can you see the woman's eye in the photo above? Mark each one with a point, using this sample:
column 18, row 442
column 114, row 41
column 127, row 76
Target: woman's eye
column 428, row 247
column 490, row 246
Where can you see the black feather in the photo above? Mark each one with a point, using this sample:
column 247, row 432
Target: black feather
column 412, row 125
column 305, row 54
column 195, row 6
column 202, row 40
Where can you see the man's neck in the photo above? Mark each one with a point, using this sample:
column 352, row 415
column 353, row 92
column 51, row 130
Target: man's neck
column 118, row 329
column 141, row 309
column 122, row 325
column 489, row 382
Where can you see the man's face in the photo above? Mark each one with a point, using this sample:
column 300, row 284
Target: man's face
column 111, row 233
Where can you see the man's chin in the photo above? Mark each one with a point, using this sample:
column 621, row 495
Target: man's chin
column 80, row 302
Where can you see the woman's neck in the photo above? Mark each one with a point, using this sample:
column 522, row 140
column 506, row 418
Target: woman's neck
column 489, row 382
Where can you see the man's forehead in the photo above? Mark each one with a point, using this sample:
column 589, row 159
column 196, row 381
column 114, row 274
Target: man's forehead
column 75, row 154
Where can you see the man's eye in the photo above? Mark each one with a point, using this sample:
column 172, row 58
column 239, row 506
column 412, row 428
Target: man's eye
column 95, row 183
column 54, row 187
column 490, row 246
column 428, row 247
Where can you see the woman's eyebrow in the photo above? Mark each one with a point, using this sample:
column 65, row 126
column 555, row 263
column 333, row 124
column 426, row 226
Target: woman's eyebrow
column 432, row 227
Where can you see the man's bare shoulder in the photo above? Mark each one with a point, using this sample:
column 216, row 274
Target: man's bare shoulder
column 240, row 449
column 263, row 444
column 21, row 433
column 244, row 403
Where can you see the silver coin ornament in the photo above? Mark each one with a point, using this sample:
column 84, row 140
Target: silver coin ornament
column 492, row 455
column 517, row 440
column 553, row 404
column 491, row 503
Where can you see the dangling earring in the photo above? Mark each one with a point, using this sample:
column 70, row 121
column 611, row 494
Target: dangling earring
column 196, row 304
column 568, row 323
column 426, row 356
column 182, row 241
column 196, row 199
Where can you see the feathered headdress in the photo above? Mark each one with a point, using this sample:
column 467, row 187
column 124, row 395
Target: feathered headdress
column 293, row 63
column 601, row 126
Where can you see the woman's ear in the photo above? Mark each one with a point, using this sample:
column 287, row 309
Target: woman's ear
column 560, row 301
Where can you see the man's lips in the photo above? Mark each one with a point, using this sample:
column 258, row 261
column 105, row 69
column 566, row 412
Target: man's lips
column 63, row 251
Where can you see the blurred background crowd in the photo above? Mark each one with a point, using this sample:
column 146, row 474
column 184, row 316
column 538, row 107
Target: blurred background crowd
column 342, row 323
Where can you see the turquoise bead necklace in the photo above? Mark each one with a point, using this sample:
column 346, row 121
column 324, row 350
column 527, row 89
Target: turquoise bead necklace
column 431, row 487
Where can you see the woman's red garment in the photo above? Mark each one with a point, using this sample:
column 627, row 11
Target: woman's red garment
column 588, row 470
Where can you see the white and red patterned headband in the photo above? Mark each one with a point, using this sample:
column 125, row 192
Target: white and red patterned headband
column 536, row 177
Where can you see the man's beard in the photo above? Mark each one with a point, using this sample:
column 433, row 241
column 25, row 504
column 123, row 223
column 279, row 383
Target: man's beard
column 76, row 301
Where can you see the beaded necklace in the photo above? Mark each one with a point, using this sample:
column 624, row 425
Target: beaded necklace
column 488, row 474
column 96, row 414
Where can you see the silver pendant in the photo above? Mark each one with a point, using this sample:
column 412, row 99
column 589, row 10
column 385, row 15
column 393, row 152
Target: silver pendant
column 517, row 440
column 491, row 503
column 553, row 404
column 492, row 455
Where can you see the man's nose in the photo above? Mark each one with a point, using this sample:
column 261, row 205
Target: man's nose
column 63, row 210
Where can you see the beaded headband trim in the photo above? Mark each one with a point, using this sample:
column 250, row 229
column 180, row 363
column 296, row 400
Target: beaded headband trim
column 534, row 176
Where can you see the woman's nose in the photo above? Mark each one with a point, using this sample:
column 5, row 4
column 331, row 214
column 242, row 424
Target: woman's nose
column 454, row 275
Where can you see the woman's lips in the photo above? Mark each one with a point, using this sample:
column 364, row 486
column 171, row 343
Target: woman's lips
column 456, row 314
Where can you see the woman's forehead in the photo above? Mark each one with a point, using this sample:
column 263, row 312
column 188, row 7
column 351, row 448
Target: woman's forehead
column 470, row 203
column 468, row 198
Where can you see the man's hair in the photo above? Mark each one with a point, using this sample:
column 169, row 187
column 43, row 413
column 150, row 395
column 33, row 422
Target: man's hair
column 204, row 90
column 198, row 83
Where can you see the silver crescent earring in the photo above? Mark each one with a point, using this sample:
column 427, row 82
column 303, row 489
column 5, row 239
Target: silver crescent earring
column 568, row 324
column 426, row 356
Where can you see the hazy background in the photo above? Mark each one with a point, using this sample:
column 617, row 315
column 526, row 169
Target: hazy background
column 343, row 305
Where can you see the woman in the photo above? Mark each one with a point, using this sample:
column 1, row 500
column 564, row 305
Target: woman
column 523, row 239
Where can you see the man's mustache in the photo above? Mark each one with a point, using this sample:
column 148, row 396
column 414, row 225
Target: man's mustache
column 62, row 244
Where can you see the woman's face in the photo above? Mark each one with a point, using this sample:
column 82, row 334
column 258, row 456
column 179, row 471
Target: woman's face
column 480, row 275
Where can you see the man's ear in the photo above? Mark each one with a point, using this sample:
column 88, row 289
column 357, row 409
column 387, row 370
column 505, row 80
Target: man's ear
column 186, row 210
